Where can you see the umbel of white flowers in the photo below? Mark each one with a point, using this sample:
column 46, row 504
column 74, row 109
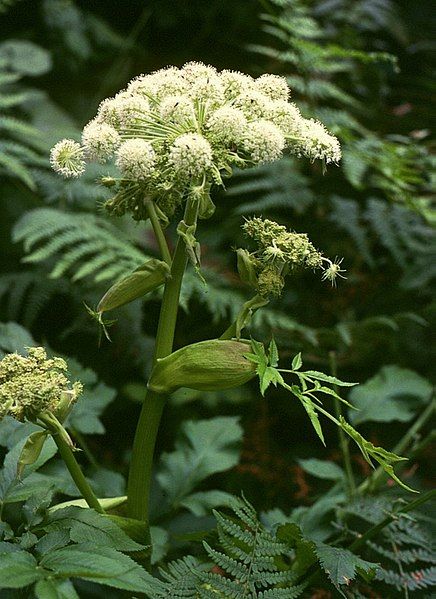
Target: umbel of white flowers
column 174, row 129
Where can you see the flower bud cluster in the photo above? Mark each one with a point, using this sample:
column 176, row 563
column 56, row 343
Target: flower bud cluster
column 32, row 384
column 175, row 129
column 278, row 252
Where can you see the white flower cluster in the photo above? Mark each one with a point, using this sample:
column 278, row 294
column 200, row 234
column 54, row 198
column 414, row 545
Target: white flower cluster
column 176, row 128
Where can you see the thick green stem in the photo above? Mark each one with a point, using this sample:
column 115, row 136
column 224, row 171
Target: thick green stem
column 343, row 441
column 63, row 442
column 158, row 231
column 374, row 481
column 152, row 408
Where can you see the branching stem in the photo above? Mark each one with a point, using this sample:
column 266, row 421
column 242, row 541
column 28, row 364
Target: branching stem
column 158, row 231
column 343, row 441
column 148, row 425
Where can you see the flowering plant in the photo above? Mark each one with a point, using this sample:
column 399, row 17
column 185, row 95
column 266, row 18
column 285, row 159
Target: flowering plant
column 174, row 134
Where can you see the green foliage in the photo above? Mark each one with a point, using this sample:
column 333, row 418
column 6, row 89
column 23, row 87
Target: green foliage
column 88, row 245
column 387, row 396
column 204, row 448
column 375, row 209
column 19, row 141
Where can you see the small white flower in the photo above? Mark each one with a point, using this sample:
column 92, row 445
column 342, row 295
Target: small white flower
column 207, row 89
column 66, row 158
column 264, row 142
column 333, row 271
column 191, row 71
column 178, row 109
column 315, row 142
column 273, row 86
column 227, row 124
column 191, row 155
column 235, row 83
column 136, row 159
column 123, row 110
column 285, row 115
column 252, row 103
column 160, row 84
column 100, row 141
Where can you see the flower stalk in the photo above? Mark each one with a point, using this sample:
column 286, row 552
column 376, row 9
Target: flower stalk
column 63, row 443
column 148, row 425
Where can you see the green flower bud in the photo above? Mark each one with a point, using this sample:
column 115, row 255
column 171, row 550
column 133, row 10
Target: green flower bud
column 270, row 282
column 141, row 281
column 206, row 366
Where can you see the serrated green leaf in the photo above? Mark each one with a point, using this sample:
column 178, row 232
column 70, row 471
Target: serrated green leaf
column 297, row 362
column 273, row 354
column 385, row 458
column 86, row 525
column 17, row 570
column 102, row 565
column 342, row 566
column 55, row 589
column 320, row 376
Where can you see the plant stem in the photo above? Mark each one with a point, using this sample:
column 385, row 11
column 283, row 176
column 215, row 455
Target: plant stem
column 343, row 441
column 244, row 316
column 158, row 231
column 152, row 408
column 374, row 481
column 63, row 442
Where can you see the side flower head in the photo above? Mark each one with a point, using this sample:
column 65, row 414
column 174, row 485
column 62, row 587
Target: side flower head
column 180, row 127
column 33, row 384
column 67, row 158
column 278, row 253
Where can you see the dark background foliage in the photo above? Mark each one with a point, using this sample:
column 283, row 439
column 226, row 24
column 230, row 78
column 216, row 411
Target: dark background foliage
column 374, row 209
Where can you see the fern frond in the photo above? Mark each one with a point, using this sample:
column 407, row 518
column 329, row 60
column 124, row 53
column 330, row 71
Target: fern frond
column 412, row 581
column 248, row 556
column 275, row 185
column 77, row 241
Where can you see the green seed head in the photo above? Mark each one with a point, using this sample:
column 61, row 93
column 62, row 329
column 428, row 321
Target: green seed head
column 33, row 384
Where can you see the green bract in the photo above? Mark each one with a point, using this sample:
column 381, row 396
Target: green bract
column 207, row 366
column 176, row 128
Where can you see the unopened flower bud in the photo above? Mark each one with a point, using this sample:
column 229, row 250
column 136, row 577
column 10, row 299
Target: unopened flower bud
column 270, row 282
column 206, row 366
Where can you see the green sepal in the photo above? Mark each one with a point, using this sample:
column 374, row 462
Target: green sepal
column 31, row 450
column 246, row 267
column 193, row 248
column 65, row 404
column 206, row 208
column 141, row 281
